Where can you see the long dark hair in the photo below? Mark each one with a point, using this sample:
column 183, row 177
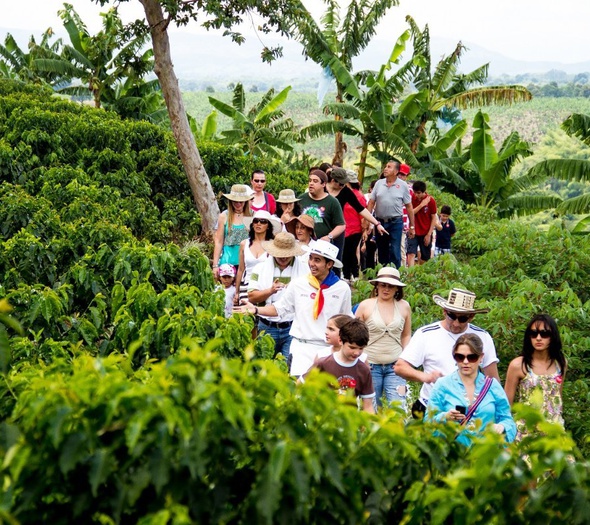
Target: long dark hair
column 268, row 234
column 296, row 209
column 555, row 346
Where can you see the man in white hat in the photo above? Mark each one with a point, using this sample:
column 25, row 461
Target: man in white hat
column 312, row 300
column 269, row 281
column 431, row 346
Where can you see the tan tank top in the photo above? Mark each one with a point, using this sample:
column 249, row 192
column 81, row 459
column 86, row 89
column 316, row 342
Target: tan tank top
column 385, row 341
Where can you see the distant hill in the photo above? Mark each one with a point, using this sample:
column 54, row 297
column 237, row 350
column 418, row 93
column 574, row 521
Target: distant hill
column 202, row 59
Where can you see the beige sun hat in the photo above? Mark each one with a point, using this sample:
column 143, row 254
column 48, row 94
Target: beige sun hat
column 306, row 220
column 287, row 196
column 239, row 193
column 283, row 245
column 263, row 214
column 460, row 301
column 387, row 275
column 327, row 250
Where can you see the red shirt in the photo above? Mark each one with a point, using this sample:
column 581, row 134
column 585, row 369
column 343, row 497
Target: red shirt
column 351, row 216
column 423, row 218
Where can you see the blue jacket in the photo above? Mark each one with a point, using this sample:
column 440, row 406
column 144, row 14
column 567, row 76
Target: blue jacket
column 449, row 392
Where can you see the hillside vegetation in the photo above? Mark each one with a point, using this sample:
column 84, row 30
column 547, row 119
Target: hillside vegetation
column 127, row 397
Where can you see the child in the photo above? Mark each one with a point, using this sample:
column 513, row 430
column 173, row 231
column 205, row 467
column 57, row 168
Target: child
column 344, row 364
column 540, row 368
column 445, row 230
column 227, row 275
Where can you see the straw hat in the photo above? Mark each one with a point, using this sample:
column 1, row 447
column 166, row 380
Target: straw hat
column 263, row 214
column 306, row 220
column 283, row 245
column 286, row 196
column 239, row 193
column 460, row 301
column 327, row 250
column 387, row 275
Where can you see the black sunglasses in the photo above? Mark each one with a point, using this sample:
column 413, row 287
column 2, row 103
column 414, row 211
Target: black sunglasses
column 545, row 334
column 260, row 221
column 472, row 358
column 455, row 317
column 260, row 181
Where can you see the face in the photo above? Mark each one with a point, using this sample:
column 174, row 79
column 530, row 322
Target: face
column 283, row 262
column 332, row 334
column 457, row 325
column 302, row 232
column 444, row 217
column 390, row 169
column 288, row 207
column 386, row 291
column 238, row 206
column 258, row 182
column 315, row 186
column 226, row 280
column 537, row 333
column 319, row 267
column 260, row 225
column 402, row 176
column 467, row 360
column 351, row 351
column 420, row 195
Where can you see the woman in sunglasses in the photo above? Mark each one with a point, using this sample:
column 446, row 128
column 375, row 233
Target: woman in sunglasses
column 467, row 396
column 540, row 367
column 262, row 226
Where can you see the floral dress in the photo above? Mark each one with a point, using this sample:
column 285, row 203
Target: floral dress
column 542, row 392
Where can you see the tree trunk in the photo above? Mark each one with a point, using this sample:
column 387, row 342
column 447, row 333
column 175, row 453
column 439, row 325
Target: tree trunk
column 339, row 144
column 189, row 154
column 363, row 161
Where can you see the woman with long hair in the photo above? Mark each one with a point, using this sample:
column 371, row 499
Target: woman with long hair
column 262, row 226
column 467, row 395
column 287, row 206
column 541, row 367
column 389, row 319
column 230, row 228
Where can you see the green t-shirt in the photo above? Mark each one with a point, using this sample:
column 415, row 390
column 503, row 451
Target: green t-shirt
column 326, row 213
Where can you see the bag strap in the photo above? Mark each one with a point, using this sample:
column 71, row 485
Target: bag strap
column 486, row 387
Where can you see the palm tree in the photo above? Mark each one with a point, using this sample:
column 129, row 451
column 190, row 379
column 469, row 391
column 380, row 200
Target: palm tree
column 261, row 130
column 443, row 89
column 337, row 42
column 576, row 125
column 100, row 61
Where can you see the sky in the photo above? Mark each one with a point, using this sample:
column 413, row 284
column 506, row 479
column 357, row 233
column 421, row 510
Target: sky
column 530, row 30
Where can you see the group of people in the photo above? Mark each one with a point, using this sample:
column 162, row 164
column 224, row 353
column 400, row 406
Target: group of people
column 289, row 264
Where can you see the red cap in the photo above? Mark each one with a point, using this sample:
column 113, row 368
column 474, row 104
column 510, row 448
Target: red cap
column 405, row 169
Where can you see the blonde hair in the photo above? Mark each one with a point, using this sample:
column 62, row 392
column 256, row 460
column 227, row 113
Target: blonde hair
column 230, row 211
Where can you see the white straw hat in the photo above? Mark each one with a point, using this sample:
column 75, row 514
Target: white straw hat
column 326, row 250
column 460, row 301
column 263, row 214
column 239, row 193
column 388, row 275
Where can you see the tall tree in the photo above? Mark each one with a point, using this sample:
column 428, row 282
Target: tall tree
column 338, row 41
column 159, row 14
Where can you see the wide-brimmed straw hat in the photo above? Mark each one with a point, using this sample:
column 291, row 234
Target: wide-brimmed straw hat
column 306, row 220
column 239, row 193
column 263, row 214
column 287, row 196
column 387, row 275
column 460, row 301
column 283, row 245
column 327, row 250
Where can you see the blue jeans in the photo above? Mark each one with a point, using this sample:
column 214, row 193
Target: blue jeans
column 385, row 381
column 389, row 246
column 281, row 337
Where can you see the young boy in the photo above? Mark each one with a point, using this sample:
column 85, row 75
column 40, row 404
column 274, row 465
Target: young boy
column 346, row 366
column 227, row 275
column 445, row 230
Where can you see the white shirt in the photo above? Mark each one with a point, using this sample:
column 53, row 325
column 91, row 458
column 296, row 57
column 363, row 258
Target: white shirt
column 299, row 298
column 431, row 347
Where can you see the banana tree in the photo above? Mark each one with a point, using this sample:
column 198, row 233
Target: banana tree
column 263, row 129
column 336, row 42
column 578, row 126
column 443, row 88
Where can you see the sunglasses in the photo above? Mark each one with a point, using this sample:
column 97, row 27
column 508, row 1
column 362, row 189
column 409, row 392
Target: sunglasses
column 545, row 334
column 259, row 181
column 455, row 317
column 472, row 358
column 259, row 221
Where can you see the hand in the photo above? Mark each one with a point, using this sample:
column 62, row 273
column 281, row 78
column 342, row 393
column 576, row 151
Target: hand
column 427, row 239
column 382, row 230
column 455, row 415
column 216, row 273
column 245, row 308
column 325, row 238
column 499, row 428
column 433, row 376
column 411, row 233
column 276, row 286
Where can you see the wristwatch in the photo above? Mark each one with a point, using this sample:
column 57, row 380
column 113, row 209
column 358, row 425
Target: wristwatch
column 330, row 236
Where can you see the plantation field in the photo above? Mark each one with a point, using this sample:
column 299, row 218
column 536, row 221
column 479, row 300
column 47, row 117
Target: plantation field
column 533, row 120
